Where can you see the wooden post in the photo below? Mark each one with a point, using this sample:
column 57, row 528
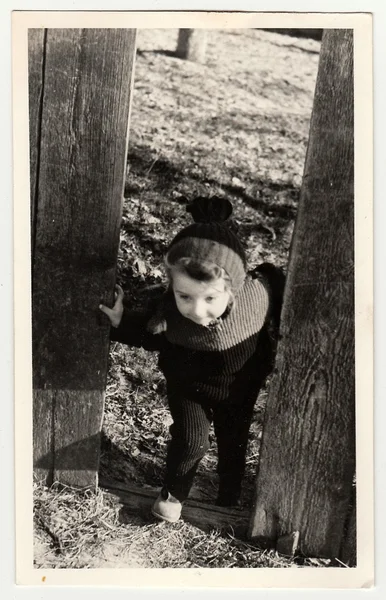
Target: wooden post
column 191, row 44
column 36, row 54
column 348, row 552
column 80, row 91
column 307, row 463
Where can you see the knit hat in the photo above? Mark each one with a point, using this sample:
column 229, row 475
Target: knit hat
column 210, row 239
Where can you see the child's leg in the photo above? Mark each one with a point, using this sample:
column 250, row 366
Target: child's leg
column 189, row 443
column 232, row 420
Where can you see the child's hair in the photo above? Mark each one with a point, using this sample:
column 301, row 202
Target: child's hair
column 199, row 270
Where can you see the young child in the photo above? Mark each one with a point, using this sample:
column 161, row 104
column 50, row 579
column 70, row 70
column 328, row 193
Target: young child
column 211, row 329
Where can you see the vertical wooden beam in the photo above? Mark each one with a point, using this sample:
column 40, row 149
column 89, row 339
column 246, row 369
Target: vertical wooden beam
column 348, row 553
column 307, row 458
column 36, row 57
column 42, row 418
column 81, row 157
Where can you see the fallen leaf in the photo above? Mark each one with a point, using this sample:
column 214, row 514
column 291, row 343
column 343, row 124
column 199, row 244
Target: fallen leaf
column 141, row 267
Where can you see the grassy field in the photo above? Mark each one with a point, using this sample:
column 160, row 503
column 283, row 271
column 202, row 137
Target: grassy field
column 237, row 127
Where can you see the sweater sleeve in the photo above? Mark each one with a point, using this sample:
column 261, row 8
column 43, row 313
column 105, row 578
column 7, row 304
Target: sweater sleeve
column 133, row 332
column 274, row 278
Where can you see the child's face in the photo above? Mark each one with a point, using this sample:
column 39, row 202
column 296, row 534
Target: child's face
column 200, row 301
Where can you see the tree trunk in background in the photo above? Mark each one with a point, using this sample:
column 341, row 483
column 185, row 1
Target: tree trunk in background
column 307, row 460
column 192, row 44
column 80, row 90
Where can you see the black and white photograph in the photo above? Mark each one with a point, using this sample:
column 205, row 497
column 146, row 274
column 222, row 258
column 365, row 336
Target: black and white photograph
column 196, row 376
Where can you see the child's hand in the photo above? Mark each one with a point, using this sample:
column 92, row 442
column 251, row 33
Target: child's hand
column 115, row 313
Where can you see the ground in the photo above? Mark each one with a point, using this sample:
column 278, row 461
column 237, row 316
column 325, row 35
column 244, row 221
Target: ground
column 236, row 126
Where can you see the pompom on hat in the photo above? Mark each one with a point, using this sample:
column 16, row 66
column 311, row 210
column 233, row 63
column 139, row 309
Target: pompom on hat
column 210, row 239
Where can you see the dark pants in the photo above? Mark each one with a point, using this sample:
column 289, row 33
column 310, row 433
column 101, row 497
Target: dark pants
column 190, row 440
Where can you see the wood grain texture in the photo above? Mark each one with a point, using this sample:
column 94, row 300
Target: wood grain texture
column 307, row 459
column 82, row 160
column 348, row 553
column 36, row 57
column 43, row 443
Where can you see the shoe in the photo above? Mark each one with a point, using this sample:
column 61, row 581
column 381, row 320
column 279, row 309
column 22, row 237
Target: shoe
column 167, row 507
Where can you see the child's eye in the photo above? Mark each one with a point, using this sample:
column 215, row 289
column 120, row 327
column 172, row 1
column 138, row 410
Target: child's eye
column 209, row 298
column 183, row 297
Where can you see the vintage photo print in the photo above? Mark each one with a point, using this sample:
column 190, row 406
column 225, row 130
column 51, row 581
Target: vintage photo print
column 193, row 299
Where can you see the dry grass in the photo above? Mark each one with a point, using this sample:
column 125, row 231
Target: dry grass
column 236, row 126
column 87, row 529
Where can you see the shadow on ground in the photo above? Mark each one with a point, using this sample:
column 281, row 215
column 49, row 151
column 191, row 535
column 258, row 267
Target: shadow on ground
column 164, row 176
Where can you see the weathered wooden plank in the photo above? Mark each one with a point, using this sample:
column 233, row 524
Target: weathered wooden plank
column 348, row 553
column 288, row 544
column 42, row 407
column 43, row 446
column 307, row 458
column 83, row 149
column 36, row 55
column 205, row 516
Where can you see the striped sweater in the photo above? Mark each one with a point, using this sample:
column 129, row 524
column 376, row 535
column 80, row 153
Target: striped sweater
column 212, row 363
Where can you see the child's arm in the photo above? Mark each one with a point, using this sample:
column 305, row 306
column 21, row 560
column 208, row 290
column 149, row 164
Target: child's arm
column 129, row 327
column 275, row 278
